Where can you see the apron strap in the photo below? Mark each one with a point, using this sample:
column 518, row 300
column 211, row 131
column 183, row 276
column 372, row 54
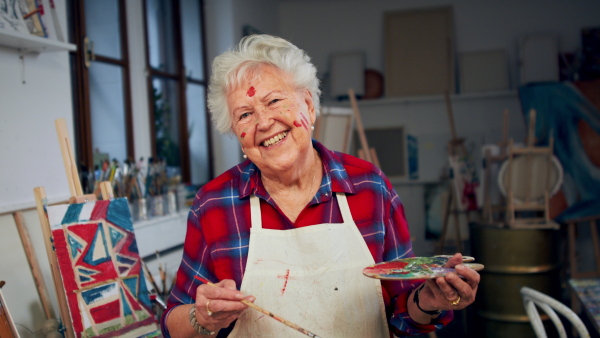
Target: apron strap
column 344, row 208
column 255, row 217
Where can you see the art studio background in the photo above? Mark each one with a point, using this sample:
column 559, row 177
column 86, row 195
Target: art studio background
column 489, row 53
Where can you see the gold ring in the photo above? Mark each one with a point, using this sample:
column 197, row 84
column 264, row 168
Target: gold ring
column 210, row 313
column 452, row 302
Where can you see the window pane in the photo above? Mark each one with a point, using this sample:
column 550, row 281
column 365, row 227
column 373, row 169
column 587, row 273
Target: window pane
column 192, row 39
column 107, row 110
column 161, row 46
column 102, row 26
column 166, row 120
column 197, row 134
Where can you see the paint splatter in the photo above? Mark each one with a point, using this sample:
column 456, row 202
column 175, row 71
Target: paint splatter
column 287, row 278
column 304, row 118
column 297, row 124
column 243, row 134
column 304, row 125
column 251, row 92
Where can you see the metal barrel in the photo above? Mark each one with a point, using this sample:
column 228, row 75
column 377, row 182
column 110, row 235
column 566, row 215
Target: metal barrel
column 513, row 258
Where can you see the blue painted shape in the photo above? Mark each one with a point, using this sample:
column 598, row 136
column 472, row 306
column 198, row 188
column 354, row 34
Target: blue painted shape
column 72, row 214
column 84, row 279
column 86, row 271
column 143, row 296
column 98, row 240
column 126, row 307
column 118, row 214
column 115, row 236
column 133, row 247
column 74, row 245
column 132, row 285
column 97, row 293
column 124, row 260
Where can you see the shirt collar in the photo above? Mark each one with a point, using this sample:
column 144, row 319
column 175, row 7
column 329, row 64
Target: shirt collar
column 335, row 177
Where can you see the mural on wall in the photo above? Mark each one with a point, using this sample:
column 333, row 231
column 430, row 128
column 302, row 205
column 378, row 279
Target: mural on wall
column 101, row 269
column 570, row 113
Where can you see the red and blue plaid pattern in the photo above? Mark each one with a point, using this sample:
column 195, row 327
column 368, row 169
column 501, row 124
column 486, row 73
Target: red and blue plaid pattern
column 218, row 230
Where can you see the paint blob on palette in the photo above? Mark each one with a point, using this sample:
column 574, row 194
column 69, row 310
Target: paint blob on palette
column 416, row 268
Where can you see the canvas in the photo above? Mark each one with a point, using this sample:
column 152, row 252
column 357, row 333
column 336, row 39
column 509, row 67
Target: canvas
column 101, row 269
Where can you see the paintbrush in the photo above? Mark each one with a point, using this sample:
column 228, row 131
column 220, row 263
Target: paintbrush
column 149, row 276
column 268, row 313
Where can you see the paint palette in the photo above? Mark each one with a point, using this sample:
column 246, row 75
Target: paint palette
column 416, row 268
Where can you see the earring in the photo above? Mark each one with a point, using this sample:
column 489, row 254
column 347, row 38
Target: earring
column 312, row 127
column 245, row 156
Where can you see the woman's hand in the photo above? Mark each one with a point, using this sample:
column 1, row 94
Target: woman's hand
column 218, row 306
column 455, row 291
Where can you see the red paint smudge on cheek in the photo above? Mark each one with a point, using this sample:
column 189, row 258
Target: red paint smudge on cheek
column 304, row 118
column 251, row 92
column 243, row 134
column 304, row 125
column 297, row 124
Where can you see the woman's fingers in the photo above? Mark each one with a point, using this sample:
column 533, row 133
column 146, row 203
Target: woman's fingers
column 219, row 305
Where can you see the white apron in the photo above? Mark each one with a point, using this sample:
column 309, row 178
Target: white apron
column 311, row 276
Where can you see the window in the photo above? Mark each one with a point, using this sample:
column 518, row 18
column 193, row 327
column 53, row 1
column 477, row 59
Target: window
column 101, row 82
column 177, row 87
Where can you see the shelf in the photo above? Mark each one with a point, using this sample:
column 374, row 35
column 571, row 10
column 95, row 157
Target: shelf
column 426, row 99
column 32, row 44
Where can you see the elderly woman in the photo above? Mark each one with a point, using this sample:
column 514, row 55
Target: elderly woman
column 294, row 224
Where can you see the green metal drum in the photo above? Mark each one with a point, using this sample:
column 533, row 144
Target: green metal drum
column 513, row 258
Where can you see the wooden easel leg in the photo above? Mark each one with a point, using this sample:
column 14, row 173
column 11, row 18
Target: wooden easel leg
column 457, row 230
column 572, row 256
column 595, row 241
column 33, row 264
column 442, row 240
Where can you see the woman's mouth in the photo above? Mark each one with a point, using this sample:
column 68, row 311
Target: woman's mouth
column 275, row 139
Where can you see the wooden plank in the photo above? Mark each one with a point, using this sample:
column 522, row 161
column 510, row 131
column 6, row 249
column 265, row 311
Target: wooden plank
column 66, row 150
column 38, row 278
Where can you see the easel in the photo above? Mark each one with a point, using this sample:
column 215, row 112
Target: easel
column 76, row 197
column 488, row 209
column 364, row 152
column 514, row 208
column 456, row 149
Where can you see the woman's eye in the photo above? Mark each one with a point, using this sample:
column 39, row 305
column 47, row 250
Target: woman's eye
column 244, row 115
column 274, row 101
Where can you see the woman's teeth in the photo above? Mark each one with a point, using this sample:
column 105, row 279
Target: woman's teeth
column 275, row 139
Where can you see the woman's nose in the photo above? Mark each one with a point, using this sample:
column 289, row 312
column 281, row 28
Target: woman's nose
column 265, row 119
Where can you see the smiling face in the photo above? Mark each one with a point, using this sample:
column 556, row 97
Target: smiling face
column 272, row 119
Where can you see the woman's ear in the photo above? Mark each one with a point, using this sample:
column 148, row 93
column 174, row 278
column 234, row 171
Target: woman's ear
column 308, row 99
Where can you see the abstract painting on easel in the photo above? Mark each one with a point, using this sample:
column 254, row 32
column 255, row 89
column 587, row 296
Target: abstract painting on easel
column 101, row 270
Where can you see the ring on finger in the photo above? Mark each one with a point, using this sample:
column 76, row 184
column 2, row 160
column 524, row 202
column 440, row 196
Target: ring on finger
column 210, row 313
column 452, row 302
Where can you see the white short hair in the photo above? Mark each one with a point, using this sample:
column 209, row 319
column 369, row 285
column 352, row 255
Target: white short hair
column 232, row 67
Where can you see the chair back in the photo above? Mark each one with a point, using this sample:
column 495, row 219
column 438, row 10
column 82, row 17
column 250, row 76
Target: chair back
column 533, row 299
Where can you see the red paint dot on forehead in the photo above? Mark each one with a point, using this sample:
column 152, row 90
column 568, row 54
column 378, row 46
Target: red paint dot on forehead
column 251, row 91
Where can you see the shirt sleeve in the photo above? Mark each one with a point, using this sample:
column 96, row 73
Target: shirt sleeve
column 195, row 262
column 398, row 245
